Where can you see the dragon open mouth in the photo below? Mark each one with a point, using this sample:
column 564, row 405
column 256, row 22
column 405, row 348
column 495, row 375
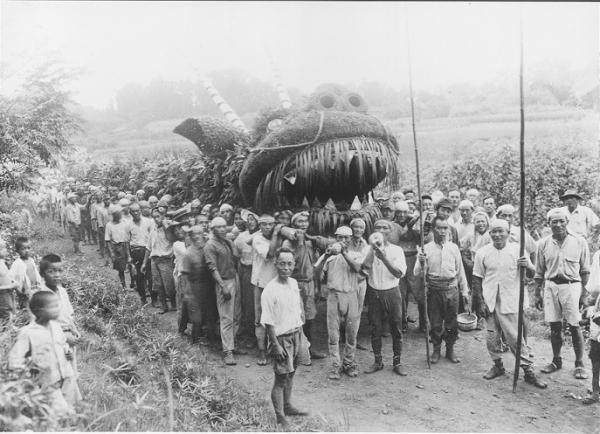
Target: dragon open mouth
column 336, row 170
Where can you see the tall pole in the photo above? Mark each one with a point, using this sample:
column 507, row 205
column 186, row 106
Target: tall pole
column 225, row 109
column 521, row 215
column 414, row 131
column 286, row 102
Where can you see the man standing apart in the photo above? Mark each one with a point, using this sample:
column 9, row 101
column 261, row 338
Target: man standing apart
column 496, row 295
column 582, row 220
column 562, row 271
column 221, row 260
column 282, row 315
column 442, row 265
column 385, row 265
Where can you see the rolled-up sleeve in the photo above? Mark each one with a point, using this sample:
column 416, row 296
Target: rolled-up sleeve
column 267, row 316
column 540, row 263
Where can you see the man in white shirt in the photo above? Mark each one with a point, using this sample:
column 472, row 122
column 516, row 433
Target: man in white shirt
column 139, row 233
column 282, row 314
column 442, row 265
column 264, row 245
column 496, row 293
column 385, row 265
column 582, row 220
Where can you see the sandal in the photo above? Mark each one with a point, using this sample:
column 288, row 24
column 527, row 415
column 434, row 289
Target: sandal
column 580, row 373
column 261, row 362
column 550, row 368
column 590, row 400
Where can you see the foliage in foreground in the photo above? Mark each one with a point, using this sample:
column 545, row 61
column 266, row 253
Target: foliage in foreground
column 134, row 376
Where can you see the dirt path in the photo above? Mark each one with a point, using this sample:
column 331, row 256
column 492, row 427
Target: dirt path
column 447, row 398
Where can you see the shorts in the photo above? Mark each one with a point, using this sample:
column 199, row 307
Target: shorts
column 307, row 292
column 562, row 301
column 291, row 343
column 595, row 351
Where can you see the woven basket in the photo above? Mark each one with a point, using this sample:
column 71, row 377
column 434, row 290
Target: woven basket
column 467, row 321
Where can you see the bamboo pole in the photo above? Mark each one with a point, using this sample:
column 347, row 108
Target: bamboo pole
column 414, row 131
column 521, row 214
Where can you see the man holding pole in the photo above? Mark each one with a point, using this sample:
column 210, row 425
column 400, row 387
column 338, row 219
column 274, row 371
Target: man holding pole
column 441, row 264
column 496, row 293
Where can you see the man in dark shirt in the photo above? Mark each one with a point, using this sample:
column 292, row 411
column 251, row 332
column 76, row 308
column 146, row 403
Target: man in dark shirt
column 198, row 289
column 221, row 260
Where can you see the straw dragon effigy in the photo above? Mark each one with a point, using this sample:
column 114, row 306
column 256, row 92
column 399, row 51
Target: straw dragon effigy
column 326, row 156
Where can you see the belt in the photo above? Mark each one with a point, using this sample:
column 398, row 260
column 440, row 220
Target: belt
column 291, row 332
column 137, row 247
column 160, row 258
column 409, row 254
column 442, row 284
column 562, row 280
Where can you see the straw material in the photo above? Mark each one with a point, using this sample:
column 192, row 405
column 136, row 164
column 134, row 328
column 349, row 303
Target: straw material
column 212, row 135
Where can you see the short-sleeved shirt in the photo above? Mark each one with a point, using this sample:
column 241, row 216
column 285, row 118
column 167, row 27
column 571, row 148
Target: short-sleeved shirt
column 139, row 233
column 444, row 262
column 158, row 244
column 379, row 276
column 179, row 250
column 221, row 255
column 357, row 251
column 340, row 276
column 245, row 249
column 499, row 272
column 464, row 231
column 117, row 232
column 194, row 264
column 281, row 306
column 263, row 267
column 568, row 261
column 581, row 220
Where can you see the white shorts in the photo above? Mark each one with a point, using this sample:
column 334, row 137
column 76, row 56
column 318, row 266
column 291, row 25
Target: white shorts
column 562, row 301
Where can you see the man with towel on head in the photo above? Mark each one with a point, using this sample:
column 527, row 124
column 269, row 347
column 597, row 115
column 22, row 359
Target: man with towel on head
column 496, row 295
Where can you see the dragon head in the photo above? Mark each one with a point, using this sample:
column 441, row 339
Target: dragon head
column 329, row 152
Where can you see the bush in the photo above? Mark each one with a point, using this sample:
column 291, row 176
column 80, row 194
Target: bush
column 549, row 171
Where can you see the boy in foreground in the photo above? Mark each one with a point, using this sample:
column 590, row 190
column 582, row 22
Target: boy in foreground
column 282, row 315
column 44, row 342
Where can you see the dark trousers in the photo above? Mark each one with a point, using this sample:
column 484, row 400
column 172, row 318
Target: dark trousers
column 101, row 241
column 385, row 305
column 443, row 310
column 137, row 258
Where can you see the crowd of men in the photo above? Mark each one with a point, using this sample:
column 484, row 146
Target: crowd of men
column 244, row 280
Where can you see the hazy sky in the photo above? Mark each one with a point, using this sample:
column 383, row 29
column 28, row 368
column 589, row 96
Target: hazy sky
column 121, row 42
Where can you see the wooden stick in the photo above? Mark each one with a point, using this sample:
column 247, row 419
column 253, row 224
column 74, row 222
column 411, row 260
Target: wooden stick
column 414, row 131
column 521, row 217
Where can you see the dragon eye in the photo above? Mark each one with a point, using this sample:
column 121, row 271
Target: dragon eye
column 327, row 101
column 356, row 102
column 274, row 124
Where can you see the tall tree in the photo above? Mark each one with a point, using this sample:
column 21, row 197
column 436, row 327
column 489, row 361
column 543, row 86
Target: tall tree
column 35, row 126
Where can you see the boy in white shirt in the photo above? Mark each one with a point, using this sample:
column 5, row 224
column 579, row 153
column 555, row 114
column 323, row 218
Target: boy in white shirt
column 24, row 271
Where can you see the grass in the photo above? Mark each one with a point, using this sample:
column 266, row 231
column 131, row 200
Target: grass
column 137, row 376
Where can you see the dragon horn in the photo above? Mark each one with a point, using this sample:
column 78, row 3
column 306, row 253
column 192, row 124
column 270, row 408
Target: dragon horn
column 286, row 102
column 223, row 106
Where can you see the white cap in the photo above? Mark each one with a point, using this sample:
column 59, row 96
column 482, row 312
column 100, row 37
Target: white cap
column 344, row 231
column 506, row 208
column 498, row 224
column 402, row 205
column 557, row 212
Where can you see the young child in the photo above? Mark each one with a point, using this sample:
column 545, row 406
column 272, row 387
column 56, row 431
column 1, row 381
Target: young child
column 7, row 287
column 24, row 271
column 51, row 272
column 45, row 344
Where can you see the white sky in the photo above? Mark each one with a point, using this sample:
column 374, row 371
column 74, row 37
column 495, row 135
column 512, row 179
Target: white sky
column 121, row 42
